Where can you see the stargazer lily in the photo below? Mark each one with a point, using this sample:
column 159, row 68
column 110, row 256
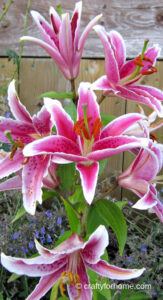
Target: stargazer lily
column 19, row 132
column 68, row 262
column 62, row 40
column 121, row 76
column 141, row 178
column 84, row 142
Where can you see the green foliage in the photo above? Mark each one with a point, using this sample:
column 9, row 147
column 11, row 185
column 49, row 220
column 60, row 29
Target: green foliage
column 54, row 291
column 102, row 165
column 5, row 147
column 66, row 172
column 71, row 110
column 63, row 237
column 55, row 95
column 72, row 217
column 113, row 217
column 106, row 119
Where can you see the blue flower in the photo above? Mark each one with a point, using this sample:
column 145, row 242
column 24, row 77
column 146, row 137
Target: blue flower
column 31, row 245
column 15, row 236
column 129, row 259
column 10, row 249
column 48, row 214
column 48, row 239
column 62, row 231
column 8, row 114
column 42, row 240
column 24, row 249
column 59, row 221
column 143, row 249
column 37, row 234
column 42, row 230
column 130, row 203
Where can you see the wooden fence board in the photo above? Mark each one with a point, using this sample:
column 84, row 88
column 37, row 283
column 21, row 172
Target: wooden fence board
column 135, row 20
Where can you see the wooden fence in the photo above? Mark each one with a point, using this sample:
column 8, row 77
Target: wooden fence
column 135, row 20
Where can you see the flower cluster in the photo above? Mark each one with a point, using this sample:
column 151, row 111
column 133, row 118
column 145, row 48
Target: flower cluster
column 37, row 151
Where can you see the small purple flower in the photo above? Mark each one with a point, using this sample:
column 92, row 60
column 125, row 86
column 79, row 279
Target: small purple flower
column 130, row 203
column 42, row 230
column 42, row 240
column 15, row 236
column 37, row 234
column 48, row 239
column 8, row 114
column 143, row 249
column 24, row 249
column 31, row 245
column 59, row 221
column 154, row 295
column 10, row 249
column 129, row 258
column 48, row 214
column 62, row 231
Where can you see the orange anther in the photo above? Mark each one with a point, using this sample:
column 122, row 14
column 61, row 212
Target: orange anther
column 96, row 127
column 25, row 161
column 150, row 70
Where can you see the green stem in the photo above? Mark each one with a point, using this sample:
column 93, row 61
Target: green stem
column 22, row 42
column 73, row 90
column 84, row 221
column 6, row 9
column 75, row 211
column 101, row 99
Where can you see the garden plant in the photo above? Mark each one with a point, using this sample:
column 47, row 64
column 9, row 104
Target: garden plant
column 63, row 150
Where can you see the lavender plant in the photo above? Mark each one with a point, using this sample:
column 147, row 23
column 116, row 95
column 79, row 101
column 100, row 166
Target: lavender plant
column 63, row 149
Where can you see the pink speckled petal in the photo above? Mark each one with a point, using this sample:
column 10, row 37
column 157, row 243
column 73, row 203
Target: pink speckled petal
column 103, row 83
column 75, row 24
column 96, row 245
column 158, row 210
column 13, row 183
column 42, row 122
column 72, row 244
column 119, row 125
column 118, row 47
column 111, row 65
column 37, row 266
column 114, row 145
column 45, row 284
column 61, row 119
column 32, row 177
column 113, row 272
column 84, row 293
column 17, row 108
column 149, row 200
column 55, row 18
column 54, row 53
column 51, row 145
column 88, row 175
column 8, row 166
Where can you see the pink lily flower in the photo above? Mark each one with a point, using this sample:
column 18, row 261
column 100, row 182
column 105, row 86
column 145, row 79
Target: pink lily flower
column 62, row 40
column 25, row 129
column 50, row 181
column 140, row 178
column 84, row 142
column 121, row 76
column 68, row 262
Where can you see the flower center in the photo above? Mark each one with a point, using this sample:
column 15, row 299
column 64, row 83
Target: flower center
column 70, row 278
column 15, row 146
column 88, row 132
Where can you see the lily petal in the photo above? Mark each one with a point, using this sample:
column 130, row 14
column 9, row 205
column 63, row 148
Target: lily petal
column 45, row 284
column 119, row 125
column 32, row 176
column 103, row 83
column 95, row 246
column 13, row 183
column 42, row 122
column 8, row 166
column 50, row 145
column 149, row 200
column 17, row 108
column 60, row 118
column 158, row 210
column 112, row 272
column 88, row 175
column 111, row 65
column 118, row 47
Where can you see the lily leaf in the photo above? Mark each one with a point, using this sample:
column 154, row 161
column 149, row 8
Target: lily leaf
column 113, row 216
column 54, row 291
column 72, row 217
column 106, row 119
column 71, row 110
column 56, row 95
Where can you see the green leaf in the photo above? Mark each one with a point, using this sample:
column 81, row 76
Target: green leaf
column 5, row 147
column 1, row 296
column 59, row 9
column 66, row 172
column 63, row 237
column 19, row 214
column 113, row 216
column 54, row 291
column 56, row 95
column 121, row 204
column 106, row 118
column 13, row 277
column 94, row 220
column 72, row 217
column 77, row 196
column 138, row 296
column 71, row 110
column 102, row 165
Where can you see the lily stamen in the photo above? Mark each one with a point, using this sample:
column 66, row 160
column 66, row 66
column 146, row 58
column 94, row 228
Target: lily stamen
column 68, row 277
